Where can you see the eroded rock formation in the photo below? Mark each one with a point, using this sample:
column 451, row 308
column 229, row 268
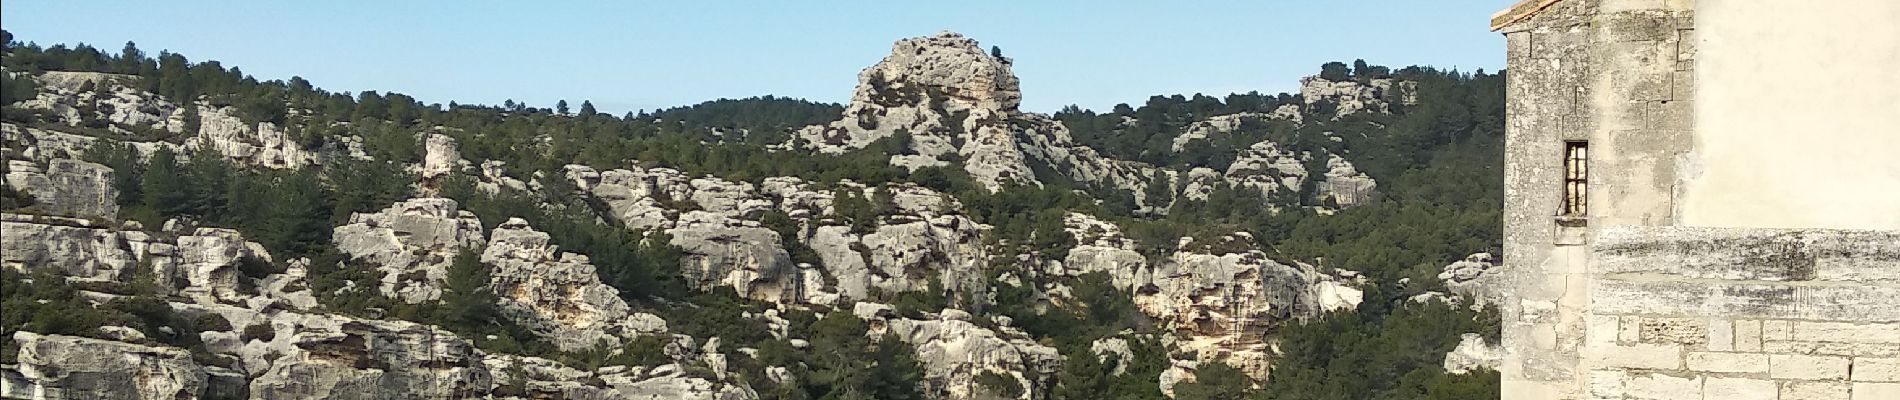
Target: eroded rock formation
column 412, row 243
column 954, row 351
column 66, row 367
column 67, row 187
column 557, row 292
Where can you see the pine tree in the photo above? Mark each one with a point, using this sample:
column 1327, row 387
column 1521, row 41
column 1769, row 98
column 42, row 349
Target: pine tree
column 894, row 373
column 130, row 58
column 210, row 177
column 175, row 81
column 561, row 107
column 1214, row 381
column 1083, row 376
column 1335, row 71
column 295, row 215
column 192, row 120
column 17, row 89
column 165, row 188
column 587, row 108
column 466, row 301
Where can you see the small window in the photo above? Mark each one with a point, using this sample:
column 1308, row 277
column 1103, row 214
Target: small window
column 1576, row 179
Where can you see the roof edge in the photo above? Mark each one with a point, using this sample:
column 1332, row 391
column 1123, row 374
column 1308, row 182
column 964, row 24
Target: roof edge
column 1518, row 12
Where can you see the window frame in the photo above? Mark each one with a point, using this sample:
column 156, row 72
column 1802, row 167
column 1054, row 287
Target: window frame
column 1574, row 184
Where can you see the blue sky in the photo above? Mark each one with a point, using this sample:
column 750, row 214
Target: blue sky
column 626, row 55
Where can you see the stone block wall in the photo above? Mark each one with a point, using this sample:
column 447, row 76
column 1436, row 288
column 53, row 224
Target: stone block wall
column 1617, row 74
column 1735, row 313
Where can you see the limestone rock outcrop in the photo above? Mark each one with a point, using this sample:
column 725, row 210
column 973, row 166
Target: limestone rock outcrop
column 946, row 71
column 202, row 265
column 1178, row 372
column 322, row 356
column 412, row 242
column 439, row 156
column 1222, row 125
column 117, row 103
column 261, row 144
column 1349, row 96
column 637, row 197
column 1224, row 304
column 344, row 358
column 78, row 97
column 1219, row 296
column 954, row 351
column 1116, row 349
column 716, row 224
column 722, row 240
column 208, row 262
column 1472, row 276
column 328, row 356
column 957, row 106
column 1101, row 247
column 558, row 293
column 726, row 251
column 67, row 187
column 1269, row 168
column 1274, row 170
column 45, row 146
column 1050, row 143
column 949, row 96
column 67, row 367
column 1473, row 353
column 73, row 247
column 900, row 257
column 1343, row 185
column 668, row 383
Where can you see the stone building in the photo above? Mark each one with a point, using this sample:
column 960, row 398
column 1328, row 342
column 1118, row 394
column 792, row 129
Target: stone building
column 1702, row 199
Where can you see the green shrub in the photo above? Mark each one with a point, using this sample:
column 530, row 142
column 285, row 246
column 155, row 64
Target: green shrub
column 210, row 321
column 262, row 331
column 1004, row 385
column 647, row 350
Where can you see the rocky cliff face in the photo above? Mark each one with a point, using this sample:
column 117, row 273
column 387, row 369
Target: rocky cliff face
column 67, row 187
column 955, row 351
column 334, row 357
column 66, row 367
column 957, row 105
column 923, row 237
column 1350, row 97
column 558, row 292
column 307, row 354
column 417, row 238
column 1213, row 299
column 1220, row 125
column 201, row 265
column 1473, row 277
column 1220, row 302
column 1472, row 354
column 111, row 101
column 78, row 97
column 950, row 97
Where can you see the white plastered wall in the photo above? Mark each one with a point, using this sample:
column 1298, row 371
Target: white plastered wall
column 1797, row 115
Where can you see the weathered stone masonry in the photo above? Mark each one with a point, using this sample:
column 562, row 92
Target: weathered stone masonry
column 1626, row 301
column 1738, row 313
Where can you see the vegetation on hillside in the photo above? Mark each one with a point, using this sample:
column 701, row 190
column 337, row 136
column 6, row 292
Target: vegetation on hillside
column 1437, row 163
